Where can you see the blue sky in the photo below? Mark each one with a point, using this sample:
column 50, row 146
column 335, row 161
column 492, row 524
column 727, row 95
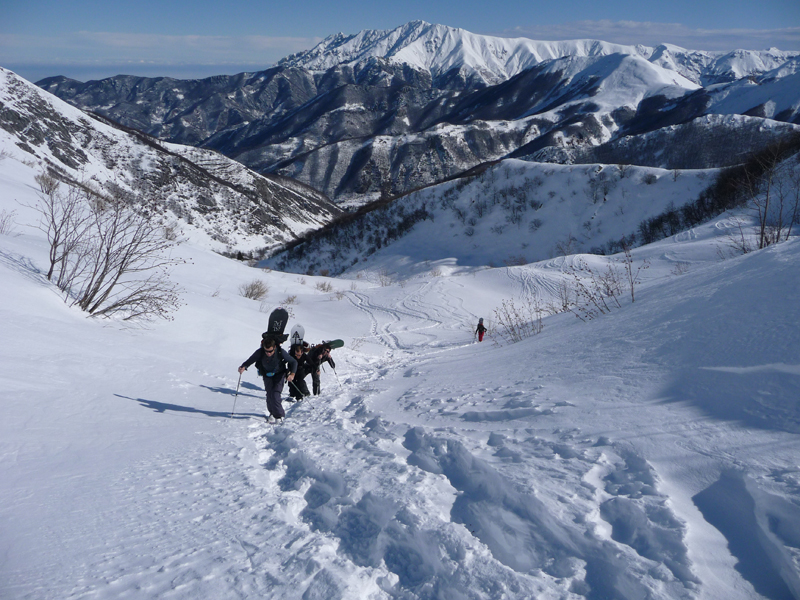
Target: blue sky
column 90, row 39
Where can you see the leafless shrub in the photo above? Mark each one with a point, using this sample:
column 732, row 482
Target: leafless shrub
column 172, row 232
column 632, row 275
column 565, row 298
column 7, row 221
column 437, row 272
column 736, row 240
column 324, row 272
column 289, row 301
column 385, row 278
column 595, row 189
column 339, row 295
column 650, row 179
column 589, row 299
column 567, row 246
column 517, row 321
column 255, row 290
column 324, row 286
column 515, row 261
column 680, row 268
column 598, row 292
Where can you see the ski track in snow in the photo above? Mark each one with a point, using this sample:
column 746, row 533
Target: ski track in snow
column 400, row 540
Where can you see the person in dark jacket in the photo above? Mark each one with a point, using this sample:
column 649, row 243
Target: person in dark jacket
column 275, row 365
column 319, row 354
column 298, row 388
column 480, row 330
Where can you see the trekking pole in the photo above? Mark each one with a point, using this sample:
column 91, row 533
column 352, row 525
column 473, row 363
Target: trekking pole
column 337, row 378
column 236, row 396
column 302, row 395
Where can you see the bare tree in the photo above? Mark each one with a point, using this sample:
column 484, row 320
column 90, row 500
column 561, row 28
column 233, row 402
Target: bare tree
column 771, row 186
column 64, row 218
column 794, row 203
column 106, row 257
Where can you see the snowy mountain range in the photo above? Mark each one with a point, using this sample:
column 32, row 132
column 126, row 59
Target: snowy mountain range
column 441, row 51
column 205, row 194
column 381, row 113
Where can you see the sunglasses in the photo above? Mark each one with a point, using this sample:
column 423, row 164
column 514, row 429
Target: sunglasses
column 270, row 350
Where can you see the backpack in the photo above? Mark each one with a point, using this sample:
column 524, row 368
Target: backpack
column 282, row 366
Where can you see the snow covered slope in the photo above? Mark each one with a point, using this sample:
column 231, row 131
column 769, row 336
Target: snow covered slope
column 514, row 212
column 772, row 95
column 648, row 453
column 219, row 201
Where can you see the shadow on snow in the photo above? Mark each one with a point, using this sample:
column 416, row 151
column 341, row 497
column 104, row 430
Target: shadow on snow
column 163, row 407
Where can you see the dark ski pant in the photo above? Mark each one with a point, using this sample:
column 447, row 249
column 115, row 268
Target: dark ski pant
column 315, row 382
column 298, row 388
column 274, row 387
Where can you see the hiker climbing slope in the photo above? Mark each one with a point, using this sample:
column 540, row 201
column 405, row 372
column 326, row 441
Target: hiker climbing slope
column 276, row 366
column 319, row 354
column 298, row 388
column 480, row 330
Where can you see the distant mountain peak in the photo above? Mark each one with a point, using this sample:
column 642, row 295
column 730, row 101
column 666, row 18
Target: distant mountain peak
column 439, row 49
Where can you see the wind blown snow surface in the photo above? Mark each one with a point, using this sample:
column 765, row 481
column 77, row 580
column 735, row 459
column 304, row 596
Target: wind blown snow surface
column 649, row 453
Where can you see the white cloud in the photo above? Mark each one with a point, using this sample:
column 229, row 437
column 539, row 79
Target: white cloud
column 653, row 34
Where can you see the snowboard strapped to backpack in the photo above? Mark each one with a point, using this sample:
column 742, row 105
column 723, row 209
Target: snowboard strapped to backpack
column 275, row 326
column 298, row 333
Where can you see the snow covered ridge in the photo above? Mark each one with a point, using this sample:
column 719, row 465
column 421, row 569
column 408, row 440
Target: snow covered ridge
column 382, row 113
column 515, row 212
column 210, row 197
column 439, row 49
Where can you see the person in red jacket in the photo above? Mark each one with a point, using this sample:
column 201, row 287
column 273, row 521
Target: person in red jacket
column 480, row 330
